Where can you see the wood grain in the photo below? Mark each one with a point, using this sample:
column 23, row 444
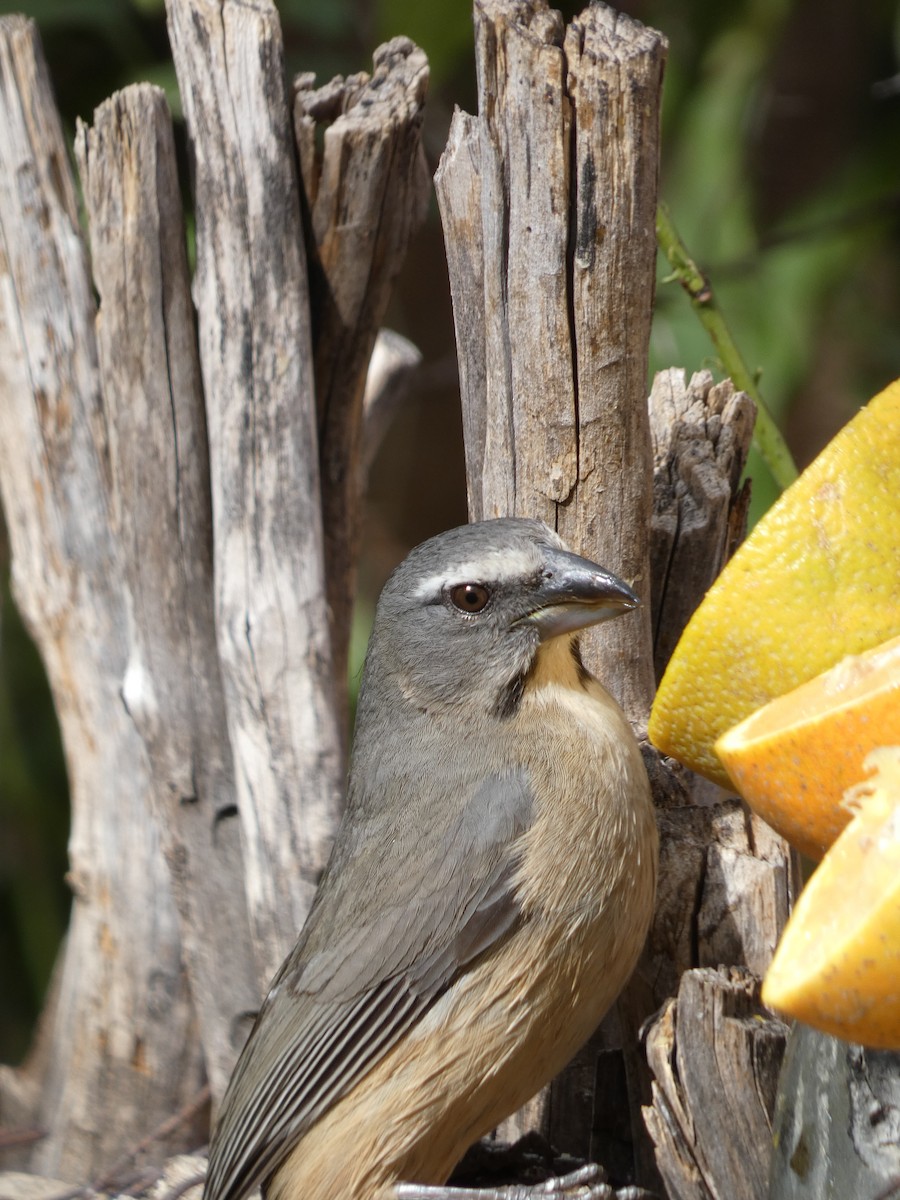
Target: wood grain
column 548, row 200
column 365, row 189
column 118, row 1043
column 701, row 436
column 837, row 1121
column 715, row 1055
column 251, row 294
column 159, row 489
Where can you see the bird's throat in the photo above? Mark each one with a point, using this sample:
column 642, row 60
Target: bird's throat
column 558, row 663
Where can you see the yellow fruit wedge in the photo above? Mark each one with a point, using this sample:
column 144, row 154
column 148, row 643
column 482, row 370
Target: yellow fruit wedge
column 817, row 579
column 793, row 760
column 837, row 966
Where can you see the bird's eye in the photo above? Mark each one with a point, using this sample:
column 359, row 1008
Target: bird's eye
column 469, row 597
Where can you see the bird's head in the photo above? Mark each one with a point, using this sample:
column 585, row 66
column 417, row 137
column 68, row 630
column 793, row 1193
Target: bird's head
column 463, row 619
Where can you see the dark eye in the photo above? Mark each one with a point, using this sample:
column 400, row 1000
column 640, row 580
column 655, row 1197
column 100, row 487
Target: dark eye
column 469, row 597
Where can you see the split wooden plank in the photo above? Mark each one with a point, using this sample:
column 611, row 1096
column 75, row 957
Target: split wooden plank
column 251, row 294
column 160, row 499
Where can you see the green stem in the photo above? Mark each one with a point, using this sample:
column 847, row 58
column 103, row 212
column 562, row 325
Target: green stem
column 766, row 434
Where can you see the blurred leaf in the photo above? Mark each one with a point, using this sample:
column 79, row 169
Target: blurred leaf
column 442, row 28
column 163, row 76
column 34, row 900
column 115, row 21
column 776, row 292
column 334, row 19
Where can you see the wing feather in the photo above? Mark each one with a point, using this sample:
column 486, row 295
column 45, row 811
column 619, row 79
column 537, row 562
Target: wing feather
column 336, row 1009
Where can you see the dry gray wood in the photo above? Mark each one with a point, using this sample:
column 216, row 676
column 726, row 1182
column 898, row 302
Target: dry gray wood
column 837, row 1121
column 701, row 435
column 159, row 475
column 182, row 1174
column 716, row 1055
column 615, row 75
column 750, row 884
column 548, row 201
column 727, row 881
column 365, row 184
column 726, row 886
column 117, row 1048
column 459, row 192
column 251, row 294
column 111, row 482
column 389, row 377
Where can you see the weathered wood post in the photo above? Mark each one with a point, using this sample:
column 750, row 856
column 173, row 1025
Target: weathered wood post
column 160, row 474
column 117, row 1047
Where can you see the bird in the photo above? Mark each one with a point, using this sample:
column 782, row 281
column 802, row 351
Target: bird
column 488, row 893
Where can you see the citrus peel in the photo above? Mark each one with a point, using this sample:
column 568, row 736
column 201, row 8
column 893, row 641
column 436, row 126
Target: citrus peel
column 817, row 579
column 837, row 966
column 793, row 759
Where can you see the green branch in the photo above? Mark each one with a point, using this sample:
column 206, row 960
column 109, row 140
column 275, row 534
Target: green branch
column 766, row 434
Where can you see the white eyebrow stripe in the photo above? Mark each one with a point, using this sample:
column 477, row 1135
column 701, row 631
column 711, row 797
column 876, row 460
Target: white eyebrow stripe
column 492, row 567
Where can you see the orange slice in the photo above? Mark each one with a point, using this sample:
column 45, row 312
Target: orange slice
column 793, row 759
column 837, row 966
column 817, row 579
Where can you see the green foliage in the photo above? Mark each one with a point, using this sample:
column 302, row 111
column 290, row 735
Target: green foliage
column 331, row 20
column 779, row 280
column 443, row 28
column 33, row 829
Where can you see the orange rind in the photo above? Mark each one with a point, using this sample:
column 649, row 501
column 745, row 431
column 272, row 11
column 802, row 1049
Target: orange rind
column 793, row 759
column 837, row 966
column 816, row 580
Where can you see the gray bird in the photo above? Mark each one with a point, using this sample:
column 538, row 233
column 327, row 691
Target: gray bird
column 489, row 890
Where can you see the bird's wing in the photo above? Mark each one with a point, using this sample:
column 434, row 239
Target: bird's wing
column 376, row 952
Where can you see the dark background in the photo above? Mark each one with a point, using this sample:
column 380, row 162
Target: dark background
column 781, row 166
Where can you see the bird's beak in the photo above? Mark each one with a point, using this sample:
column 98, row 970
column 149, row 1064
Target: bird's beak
column 575, row 593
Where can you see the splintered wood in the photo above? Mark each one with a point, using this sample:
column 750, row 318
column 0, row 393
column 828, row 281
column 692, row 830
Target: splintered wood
column 548, row 199
column 159, row 492
column 253, row 321
column 716, row 1066
column 161, row 482
column 727, row 882
column 365, row 182
column 117, row 1048
column 701, row 435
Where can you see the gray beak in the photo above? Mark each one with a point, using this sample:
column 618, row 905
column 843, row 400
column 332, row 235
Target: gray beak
column 575, row 593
